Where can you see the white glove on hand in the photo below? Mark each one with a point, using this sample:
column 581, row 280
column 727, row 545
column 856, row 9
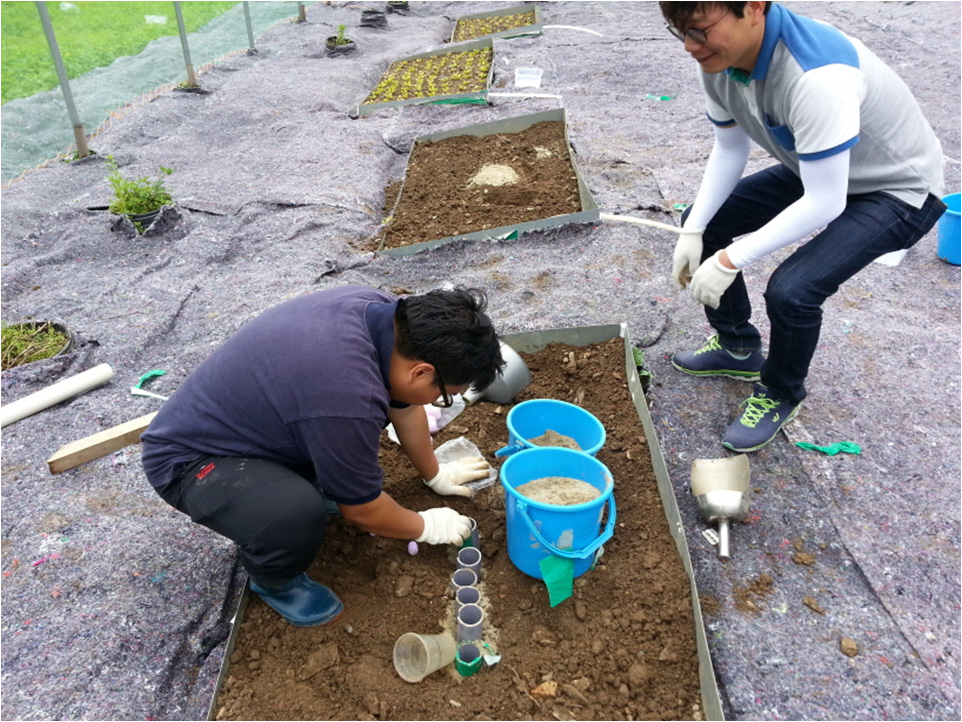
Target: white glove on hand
column 687, row 256
column 444, row 526
column 453, row 474
column 711, row 280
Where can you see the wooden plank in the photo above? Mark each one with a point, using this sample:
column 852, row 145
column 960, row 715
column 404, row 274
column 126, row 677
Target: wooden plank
column 96, row 445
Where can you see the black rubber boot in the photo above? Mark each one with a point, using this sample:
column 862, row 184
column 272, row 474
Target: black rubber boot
column 301, row 601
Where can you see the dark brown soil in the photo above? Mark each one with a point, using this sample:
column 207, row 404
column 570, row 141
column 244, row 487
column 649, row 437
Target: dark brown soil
column 622, row 648
column 442, row 195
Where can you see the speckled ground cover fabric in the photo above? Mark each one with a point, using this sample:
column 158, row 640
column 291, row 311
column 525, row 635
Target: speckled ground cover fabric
column 116, row 607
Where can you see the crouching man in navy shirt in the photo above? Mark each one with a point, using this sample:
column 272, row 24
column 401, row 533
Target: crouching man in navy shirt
column 280, row 427
column 857, row 164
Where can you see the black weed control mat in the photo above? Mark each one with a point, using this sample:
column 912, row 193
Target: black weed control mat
column 117, row 607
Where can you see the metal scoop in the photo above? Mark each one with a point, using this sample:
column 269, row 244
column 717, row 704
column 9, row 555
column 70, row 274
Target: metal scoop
column 722, row 492
column 513, row 379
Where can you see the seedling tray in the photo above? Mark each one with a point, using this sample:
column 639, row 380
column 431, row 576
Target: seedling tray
column 532, row 342
column 589, row 212
column 519, row 31
column 476, row 97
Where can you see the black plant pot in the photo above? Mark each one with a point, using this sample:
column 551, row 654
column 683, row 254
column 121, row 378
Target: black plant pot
column 397, row 7
column 143, row 220
column 373, row 19
column 332, row 48
column 60, row 328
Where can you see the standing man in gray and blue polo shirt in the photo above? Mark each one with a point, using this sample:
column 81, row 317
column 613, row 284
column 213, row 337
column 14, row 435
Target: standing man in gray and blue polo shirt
column 857, row 163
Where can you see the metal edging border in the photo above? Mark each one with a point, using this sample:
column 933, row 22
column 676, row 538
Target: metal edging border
column 235, row 624
column 590, row 212
column 480, row 96
column 534, row 28
column 583, row 336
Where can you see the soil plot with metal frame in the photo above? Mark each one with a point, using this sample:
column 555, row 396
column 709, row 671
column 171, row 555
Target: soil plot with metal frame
column 623, row 647
column 466, row 183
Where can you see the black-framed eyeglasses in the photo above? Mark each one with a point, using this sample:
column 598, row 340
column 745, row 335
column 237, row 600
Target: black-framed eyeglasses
column 444, row 401
column 699, row 35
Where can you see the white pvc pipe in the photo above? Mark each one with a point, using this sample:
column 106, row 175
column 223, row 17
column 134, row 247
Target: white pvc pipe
column 54, row 394
column 572, row 27
column 470, row 558
column 641, row 221
column 524, row 95
column 470, row 623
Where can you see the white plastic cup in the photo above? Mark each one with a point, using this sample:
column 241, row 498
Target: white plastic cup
column 527, row 77
column 418, row 655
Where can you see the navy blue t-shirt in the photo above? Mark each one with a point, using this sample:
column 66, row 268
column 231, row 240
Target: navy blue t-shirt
column 305, row 384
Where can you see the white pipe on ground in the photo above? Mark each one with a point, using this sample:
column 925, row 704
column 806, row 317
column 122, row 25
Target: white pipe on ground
column 60, row 391
column 640, row 221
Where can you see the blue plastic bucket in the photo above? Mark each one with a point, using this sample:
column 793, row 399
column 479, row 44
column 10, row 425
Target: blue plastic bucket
column 950, row 231
column 537, row 530
column 530, row 419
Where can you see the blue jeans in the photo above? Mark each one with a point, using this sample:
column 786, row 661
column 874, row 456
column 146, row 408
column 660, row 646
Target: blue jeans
column 871, row 225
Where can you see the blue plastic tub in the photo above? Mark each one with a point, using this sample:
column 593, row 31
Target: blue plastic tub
column 531, row 419
column 537, row 530
column 950, row 231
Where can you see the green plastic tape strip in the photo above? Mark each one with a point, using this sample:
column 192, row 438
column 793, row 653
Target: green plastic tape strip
column 558, row 574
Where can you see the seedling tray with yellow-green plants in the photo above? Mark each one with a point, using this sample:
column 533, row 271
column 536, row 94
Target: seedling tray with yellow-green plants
column 514, row 22
column 445, row 76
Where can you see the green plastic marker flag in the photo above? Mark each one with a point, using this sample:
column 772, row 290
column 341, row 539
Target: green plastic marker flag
column 147, row 377
column 559, row 576
column 849, row 447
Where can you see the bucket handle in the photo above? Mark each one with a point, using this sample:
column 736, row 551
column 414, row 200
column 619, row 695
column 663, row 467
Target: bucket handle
column 605, row 535
column 510, row 449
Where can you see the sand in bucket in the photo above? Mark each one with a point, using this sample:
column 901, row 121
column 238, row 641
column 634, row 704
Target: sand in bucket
column 552, row 438
column 559, row 490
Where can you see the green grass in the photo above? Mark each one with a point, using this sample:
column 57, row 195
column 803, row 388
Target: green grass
column 90, row 35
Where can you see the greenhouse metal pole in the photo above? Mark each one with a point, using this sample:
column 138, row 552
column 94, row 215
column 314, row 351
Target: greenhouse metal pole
column 250, row 31
column 78, row 129
column 191, row 78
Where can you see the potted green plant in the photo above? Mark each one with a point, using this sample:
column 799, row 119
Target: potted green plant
column 140, row 199
column 29, row 341
column 339, row 44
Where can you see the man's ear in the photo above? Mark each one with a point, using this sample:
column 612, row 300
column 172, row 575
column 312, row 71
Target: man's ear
column 421, row 369
column 755, row 11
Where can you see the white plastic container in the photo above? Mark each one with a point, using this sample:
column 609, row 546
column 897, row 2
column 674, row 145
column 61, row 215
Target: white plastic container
column 527, row 77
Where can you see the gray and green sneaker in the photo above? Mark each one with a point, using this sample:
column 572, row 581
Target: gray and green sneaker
column 713, row 359
column 759, row 422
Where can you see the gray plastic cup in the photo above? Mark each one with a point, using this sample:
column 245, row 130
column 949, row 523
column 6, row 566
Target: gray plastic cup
column 418, row 655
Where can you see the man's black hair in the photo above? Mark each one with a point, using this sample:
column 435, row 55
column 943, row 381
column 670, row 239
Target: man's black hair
column 450, row 331
column 678, row 14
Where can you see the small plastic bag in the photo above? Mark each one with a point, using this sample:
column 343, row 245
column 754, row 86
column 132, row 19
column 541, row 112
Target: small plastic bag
column 460, row 448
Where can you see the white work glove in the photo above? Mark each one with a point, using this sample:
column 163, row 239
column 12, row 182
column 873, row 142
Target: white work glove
column 687, row 256
column 711, row 280
column 444, row 526
column 452, row 475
